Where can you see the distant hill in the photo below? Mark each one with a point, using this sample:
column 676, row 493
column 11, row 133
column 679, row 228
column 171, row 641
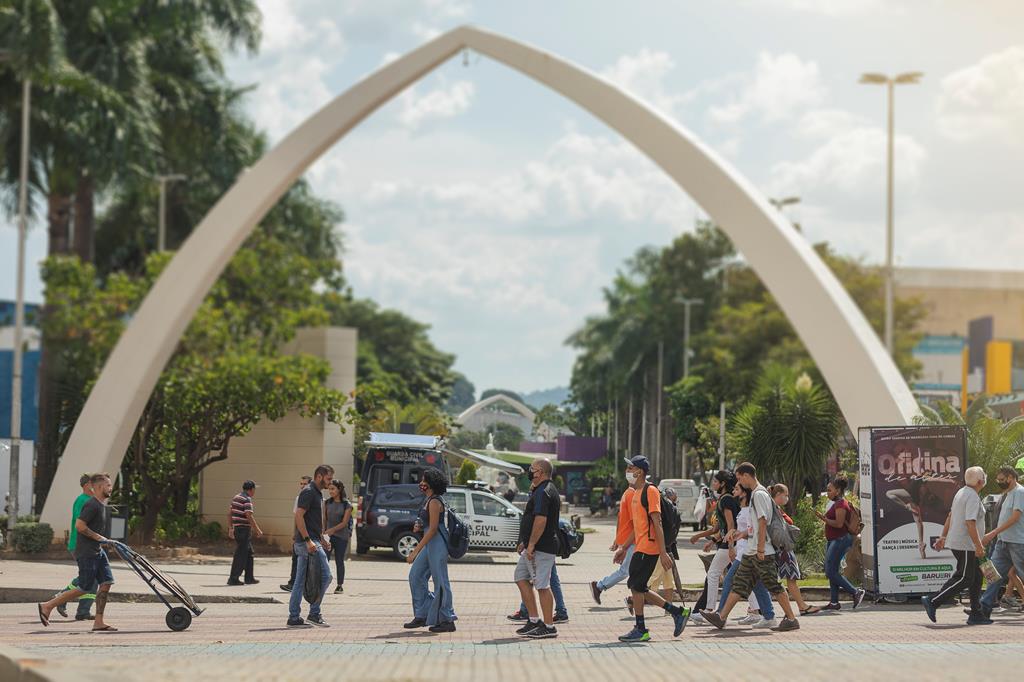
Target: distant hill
column 554, row 396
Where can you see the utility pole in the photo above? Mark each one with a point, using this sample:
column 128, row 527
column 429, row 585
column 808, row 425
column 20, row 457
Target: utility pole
column 687, row 303
column 161, row 233
column 661, row 389
column 721, row 436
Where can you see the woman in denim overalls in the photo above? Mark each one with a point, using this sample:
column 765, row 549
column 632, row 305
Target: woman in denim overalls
column 430, row 560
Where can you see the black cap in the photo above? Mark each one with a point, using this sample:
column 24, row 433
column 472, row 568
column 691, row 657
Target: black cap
column 249, row 485
column 639, row 462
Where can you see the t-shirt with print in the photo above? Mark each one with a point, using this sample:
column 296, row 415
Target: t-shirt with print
column 625, row 527
column 312, row 501
column 762, row 507
column 646, row 540
column 726, row 503
column 1013, row 500
column 96, row 516
column 544, row 501
column 966, row 507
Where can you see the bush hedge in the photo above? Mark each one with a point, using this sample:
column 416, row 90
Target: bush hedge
column 32, row 538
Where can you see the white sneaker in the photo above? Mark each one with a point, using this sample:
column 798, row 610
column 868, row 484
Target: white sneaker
column 766, row 623
column 750, row 619
column 749, row 614
column 697, row 619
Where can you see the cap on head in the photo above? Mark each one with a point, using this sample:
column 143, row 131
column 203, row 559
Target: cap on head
column 249, row 485
column 640, row 462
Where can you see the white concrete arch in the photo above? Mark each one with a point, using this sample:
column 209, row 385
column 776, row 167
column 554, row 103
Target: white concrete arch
column 497, row 398
column 866, row 383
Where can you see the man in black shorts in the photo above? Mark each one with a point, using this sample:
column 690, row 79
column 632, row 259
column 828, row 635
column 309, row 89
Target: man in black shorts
column 93, row 567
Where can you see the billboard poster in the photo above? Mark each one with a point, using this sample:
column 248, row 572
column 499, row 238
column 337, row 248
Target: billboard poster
column 867, row 506
column 915, row 472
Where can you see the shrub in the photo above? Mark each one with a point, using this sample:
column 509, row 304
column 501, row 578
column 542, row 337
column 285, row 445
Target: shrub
column 810, row 546
column 209, row 532
column 32, row 538
column 467, row 473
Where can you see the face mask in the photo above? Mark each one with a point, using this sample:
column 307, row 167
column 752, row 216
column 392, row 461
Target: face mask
column 423, row 487
column 630, row 477
column 529, row 474
column 1003, row 485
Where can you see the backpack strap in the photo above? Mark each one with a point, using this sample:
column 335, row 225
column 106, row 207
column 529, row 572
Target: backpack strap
column 647, row 507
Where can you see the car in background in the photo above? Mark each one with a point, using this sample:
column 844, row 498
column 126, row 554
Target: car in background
column 687, row 493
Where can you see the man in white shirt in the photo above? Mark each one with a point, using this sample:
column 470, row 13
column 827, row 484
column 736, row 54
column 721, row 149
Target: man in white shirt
column 1008, row 534
column 962, row 533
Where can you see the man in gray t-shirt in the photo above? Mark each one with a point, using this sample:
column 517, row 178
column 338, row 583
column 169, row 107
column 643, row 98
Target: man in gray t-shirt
column 962, row 535
column 1008, row 535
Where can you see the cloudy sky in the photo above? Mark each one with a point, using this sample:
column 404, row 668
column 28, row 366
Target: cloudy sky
column 493, row 209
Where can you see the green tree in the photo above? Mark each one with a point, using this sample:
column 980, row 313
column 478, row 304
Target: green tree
column 500, row 391
column 788, row 428
column 427, row 419
column 463, row 395
column 550, row 418
column 467, row 472
column 689, row 402
column 506, row 436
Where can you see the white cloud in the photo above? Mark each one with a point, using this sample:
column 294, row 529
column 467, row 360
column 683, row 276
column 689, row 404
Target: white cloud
column 644, row 75
column 441, row 102
column 985, row 99
column 835, row 8
column 779, row 86
column 824, row 123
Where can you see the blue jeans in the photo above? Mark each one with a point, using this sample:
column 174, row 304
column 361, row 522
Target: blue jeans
column 304, row 557
column 432, row 563
column 764, row 600
column 1005, row 555
column 835, row 550
column 556, row 591
column 619, row 575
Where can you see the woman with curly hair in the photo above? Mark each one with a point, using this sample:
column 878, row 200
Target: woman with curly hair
column 430, row 561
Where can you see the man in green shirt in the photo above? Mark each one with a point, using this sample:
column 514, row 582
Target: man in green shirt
column 85, row 602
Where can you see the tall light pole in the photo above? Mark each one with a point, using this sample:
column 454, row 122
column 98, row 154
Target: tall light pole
column 19, row 301
column 161, row 234
column 780, row 204
column 909, row 78
column 687, row 303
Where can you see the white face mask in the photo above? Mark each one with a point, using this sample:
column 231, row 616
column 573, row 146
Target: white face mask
column 630, row 477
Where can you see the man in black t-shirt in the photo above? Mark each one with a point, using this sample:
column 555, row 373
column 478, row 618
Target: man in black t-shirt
column 94, row 573
column 308, row 545
column 538, row 546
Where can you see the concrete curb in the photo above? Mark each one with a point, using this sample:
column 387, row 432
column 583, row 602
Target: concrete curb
column 23, row 595
column 19, row 666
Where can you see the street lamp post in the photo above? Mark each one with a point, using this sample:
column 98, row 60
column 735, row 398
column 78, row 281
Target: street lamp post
column 161, row 234
column 687, row 303
column 780, row 204
column 909, row 78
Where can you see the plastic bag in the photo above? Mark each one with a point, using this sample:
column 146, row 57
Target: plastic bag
column 989, row 570
column 700, row 509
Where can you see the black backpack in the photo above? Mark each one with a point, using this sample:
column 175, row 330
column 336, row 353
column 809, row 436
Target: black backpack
column 458, row 533
column 566, row 536
column 670, row 521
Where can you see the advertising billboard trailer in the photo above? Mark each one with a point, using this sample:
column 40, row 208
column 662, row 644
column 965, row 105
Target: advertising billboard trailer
column 908, row 477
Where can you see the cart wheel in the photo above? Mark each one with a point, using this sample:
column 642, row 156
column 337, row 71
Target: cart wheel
column 179, row 618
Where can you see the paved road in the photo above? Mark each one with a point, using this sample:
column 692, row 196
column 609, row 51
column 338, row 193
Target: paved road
column 366, row 639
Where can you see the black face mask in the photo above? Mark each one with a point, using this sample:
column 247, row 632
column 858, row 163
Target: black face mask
column 424, row 487
column 1003, row 485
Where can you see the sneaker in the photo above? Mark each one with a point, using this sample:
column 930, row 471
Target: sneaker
column 679, row 619
column 297, row 623
column 929, row 608
column 788, row 624
column 287, row 587
column 979, row 619
column 318, row 621
column 543, row 632
column 767, row 623
column 832, row 606
column 339, row 589
column 858, row 597
column 713, row 618
column 750, row 619
column 697, row 619
column 1010, row 602
column 526, row 629
column 629, row 605
column 252, row 582
column 443, row 627
column 518, row 617
column 85, row 616
column 235, row 583
column 636, row 635
column 561, row 618
column 415, row 623
column 595, row 592
column 748, row 614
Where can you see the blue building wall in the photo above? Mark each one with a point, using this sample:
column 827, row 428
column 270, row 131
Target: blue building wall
column 29, row 391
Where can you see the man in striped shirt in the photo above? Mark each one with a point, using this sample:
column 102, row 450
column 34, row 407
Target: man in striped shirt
column 242, row 524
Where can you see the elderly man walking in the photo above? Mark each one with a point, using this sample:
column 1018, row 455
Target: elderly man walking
column 1008, row 534
column 962, row 534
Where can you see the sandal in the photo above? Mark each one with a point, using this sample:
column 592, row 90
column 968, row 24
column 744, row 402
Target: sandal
column 809, row 611
column 105, row 628
column 42, row 617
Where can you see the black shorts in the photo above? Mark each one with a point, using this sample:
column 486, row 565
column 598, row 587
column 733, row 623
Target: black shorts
column 641, row 568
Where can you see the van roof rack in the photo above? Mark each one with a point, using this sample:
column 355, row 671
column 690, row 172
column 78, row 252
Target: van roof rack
column 405, row 440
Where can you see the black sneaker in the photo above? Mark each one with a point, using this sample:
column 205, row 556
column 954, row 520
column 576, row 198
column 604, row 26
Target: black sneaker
column 252, row 582
column 543, row 632
column 235, row 583
column 561, row 618
column 318, row 621
column 595, row 592
column 518, row 617
column 529, row 627
column 679, row 619
column 443, row 627
column 858, row 597
column 832, row 606
column 297, row 623
column 339, row 589
column 713, row 618
column 85, row 616
column 415, row 623
column 287, row 587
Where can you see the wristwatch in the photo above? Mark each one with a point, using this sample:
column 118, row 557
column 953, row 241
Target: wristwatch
column 305, row 539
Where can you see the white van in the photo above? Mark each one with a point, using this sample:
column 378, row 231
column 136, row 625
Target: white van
column 687, row 492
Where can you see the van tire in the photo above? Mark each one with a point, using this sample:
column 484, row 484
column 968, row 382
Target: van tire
column 403, row 543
